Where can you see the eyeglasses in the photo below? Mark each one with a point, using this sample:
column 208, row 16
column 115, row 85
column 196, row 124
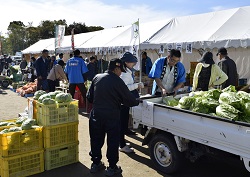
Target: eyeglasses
column 172, row 60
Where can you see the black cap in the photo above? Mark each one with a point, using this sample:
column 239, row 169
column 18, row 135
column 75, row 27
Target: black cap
column 128, row 57
column 222, row 51
column 116, row 62
column 207, row 58
column 45, row 51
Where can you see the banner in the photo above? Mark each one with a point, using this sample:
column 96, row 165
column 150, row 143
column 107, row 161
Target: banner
column 59, row 35
column 135, row 33
column 189, row 48
column 72, row 39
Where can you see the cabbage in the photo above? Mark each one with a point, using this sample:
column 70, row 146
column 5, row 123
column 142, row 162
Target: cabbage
column 197, row 94
column 231, row 99
column 247, row 109
column 3, row 123
column 170, row 101
column 227, row 111
column 38, row 94
column 63, row 97
column 244, row 96
column 42, row 97
column 230, row 88
column 186, row 101
column 214, row 94
column 48, row 101
column 204, row 105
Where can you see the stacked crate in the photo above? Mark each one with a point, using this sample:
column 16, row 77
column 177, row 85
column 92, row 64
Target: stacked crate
column 60, row 122
column 21, row 152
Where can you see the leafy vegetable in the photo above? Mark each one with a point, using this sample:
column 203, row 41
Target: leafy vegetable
column 231, row 99
column 214, row 94
column 227, row 111
column 170, row 101
column 186, row 101
column 230, row 88
column 244, row 96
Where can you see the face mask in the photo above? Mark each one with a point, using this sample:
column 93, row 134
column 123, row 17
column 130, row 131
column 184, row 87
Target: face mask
column 205, row 65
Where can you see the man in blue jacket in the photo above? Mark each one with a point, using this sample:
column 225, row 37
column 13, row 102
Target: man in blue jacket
column 76, row 70
column 168, row 74
column 146, row 63
column 42, row 69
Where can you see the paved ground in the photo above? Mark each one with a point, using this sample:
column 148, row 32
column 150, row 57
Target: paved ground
column 134, row 165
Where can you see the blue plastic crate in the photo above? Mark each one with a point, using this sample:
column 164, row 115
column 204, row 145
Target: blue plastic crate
column 29, row 95
column 242, row 81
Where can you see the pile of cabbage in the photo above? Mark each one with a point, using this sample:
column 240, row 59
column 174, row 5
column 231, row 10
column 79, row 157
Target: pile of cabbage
column 225, row 103
column 52, row 97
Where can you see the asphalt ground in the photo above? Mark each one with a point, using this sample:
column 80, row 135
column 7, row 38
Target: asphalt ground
column 133, row 165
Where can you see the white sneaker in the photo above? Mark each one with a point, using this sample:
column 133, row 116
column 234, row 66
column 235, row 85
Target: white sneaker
column 126, row 149
column 128, row 144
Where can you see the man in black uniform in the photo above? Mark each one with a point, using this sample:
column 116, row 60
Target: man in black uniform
column 228, row 66
column 107, row 92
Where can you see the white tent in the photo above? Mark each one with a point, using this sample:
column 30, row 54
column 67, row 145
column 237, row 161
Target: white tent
column 209, row 31
column 229, row 28
column 36, row 48
column 146, row 30
column 79, row 39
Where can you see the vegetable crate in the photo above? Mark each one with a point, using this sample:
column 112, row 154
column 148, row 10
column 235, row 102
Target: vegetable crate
column 15, row 143
column 22, row 165
column 61, row 156
column 55, row 114
column 59, row 135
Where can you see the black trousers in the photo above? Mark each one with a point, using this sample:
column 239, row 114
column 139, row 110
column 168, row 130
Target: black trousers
column 52, row 85
column 124, row 114
column 102, row 122
column 82, row 88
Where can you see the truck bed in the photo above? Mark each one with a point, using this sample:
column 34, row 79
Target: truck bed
column 221, row 133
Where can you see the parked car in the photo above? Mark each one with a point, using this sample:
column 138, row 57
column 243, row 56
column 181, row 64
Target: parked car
column 17, row 59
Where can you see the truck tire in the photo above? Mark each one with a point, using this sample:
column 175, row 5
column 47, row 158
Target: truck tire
column 164, row 153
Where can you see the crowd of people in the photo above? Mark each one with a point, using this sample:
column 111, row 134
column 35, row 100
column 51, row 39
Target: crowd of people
column 113, row 90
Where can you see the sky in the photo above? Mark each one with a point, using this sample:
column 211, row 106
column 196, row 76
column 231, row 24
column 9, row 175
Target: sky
column 105, row 13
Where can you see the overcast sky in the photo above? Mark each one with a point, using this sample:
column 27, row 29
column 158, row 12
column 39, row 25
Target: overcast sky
column 105, row 13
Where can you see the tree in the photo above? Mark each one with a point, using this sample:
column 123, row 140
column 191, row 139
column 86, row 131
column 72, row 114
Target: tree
column 16, row 33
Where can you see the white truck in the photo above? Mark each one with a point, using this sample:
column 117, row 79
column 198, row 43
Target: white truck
column 173, row 133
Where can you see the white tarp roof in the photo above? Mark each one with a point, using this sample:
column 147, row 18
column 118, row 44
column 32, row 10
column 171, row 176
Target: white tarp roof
column 228, row 28
column 48, row 44
column 103, row 37
column 146, row 30
column 79, row 39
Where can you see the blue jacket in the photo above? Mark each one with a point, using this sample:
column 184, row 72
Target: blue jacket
column 75, row 68
column 157, row 69
column 148, row 65
column 42, row 68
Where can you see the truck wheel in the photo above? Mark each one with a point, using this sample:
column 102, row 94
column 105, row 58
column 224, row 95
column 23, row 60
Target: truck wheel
column 164, row 153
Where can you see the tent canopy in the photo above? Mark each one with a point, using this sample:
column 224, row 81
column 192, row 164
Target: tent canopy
column 229, row 28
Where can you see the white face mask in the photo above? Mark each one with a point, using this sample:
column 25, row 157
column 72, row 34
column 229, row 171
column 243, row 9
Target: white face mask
column 205, row 65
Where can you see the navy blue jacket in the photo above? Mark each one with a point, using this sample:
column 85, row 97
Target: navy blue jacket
column 42, row 67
